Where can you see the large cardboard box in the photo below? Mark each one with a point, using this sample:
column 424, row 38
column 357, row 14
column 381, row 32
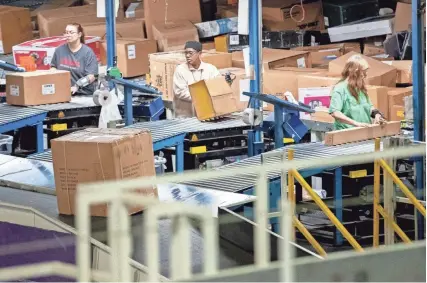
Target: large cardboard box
column 38, row 87
column 15, row 27
column 403, row 17
column 276, row 15
column 97, row 155
column 397, row 113
column 275, row 58
column 173, row 35
column 379, row 74
column 132, row 55
column 170, row 10
column 42, row 50
column 396, row 95
column 315, row 91
column 163, row 65
column 321, row 55
column 379, row 98
column 53, row 22
column 124, row 29
column 51, row 5
column 212, row 98
column 238, row 84
column 404, row 70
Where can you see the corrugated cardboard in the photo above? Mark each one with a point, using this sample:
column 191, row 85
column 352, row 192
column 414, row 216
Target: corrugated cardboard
column 135, row 10
column 379, row 98
column 212, row 98
column 132, row 55
column 210, row 45
column 403, row 17
column 124, row 29
column 163, row 65
column 404, row 70
column 97, row 155
column 396, row 95
column 277, row 17
column 173, row 35
column 51, row 5
column 397, row 113
column 237, row 74
column 379, row 74
column 372, row 50
column 15, row 27
column 321, row 55
column 54, row 22
column 275, row 58
column 38, row 87
column 157, row 11
column 322, row 115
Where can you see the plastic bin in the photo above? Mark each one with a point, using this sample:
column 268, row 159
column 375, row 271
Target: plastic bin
column 6, row 144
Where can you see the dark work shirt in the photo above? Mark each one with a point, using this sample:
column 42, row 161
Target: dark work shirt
column 80, row 64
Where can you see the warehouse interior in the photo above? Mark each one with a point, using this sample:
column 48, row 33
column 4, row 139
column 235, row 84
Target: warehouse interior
column 119, row 164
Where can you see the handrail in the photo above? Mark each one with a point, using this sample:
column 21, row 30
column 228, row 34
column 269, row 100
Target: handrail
column 295, row 175
column 379, row 209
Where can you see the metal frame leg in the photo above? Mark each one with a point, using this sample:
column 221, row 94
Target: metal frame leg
column 278, row 127
column 128, row 106
column 40, row 139
column 338, row 203
column 179, row 159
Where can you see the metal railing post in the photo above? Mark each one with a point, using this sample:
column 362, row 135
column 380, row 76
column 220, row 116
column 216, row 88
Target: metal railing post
column 377, row 172
column 291, row 189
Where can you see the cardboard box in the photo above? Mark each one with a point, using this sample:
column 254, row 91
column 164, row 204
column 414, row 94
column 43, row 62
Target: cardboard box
column 396, row 95
column 42, row 50
column 379, row 98
column 51, row 5
column 322, row 115
column 210, row 45
column 404, row 70
column 163, row 65
column 403, row 17
column 360, row 134
column 124, row 29
column 238, row 75
column 315, row 91
column 277, row 17
column 173, row 35
column 212, row 98
column 397, row 113
column 135, row 10
column 321, row 55
column 379, row 74
column 38, row 87
column 157, row 11
column 54, row 22
column 275, row 58
column 15, row 27
column 226, row 12
column 132, row 55
column 372, row 50
column 97, row 155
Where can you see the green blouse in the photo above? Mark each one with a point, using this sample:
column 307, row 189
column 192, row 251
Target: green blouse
column 343, row 101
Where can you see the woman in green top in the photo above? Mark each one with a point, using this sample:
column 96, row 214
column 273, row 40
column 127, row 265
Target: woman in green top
column 350, row 104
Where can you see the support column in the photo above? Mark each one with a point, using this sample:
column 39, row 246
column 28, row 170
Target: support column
column 418, row 99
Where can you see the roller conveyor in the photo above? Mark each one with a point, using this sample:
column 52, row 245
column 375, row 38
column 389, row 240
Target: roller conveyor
column 75, row 103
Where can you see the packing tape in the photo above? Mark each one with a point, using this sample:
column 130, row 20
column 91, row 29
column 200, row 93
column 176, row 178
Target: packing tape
column 102, row 97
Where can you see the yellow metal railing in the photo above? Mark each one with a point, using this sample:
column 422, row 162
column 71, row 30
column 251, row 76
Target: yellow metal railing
column 294, row 175
column 379, row 209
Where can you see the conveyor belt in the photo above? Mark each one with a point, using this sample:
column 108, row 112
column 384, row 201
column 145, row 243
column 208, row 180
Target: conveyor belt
column 75, row 103
column 11, row 114
column 301, row 151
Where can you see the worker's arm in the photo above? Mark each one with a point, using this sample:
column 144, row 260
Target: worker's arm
column 180, row 86
column 335, row 109
column 91, row 66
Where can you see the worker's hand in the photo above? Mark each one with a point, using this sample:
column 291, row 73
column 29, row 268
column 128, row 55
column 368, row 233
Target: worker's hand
column 379, row 119
column 362, row 125
column 74, row 89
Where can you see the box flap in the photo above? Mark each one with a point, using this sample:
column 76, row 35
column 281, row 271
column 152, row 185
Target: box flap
column 99, row 135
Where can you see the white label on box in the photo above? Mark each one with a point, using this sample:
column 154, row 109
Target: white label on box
column 326, row 21
column 131, row 52
column 234, row 39
column 48, row 89
column 14, row 90
column 301, row 62
column 244, row 85
column 1, row 47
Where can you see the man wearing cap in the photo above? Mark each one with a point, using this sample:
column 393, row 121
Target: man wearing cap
column 188, row 73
